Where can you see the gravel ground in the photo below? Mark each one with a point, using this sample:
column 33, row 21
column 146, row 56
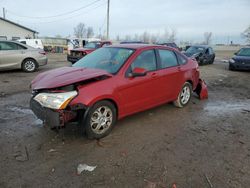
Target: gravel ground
column 206, row 144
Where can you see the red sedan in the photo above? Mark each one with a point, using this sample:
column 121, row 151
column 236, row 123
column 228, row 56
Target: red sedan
column 111, row 83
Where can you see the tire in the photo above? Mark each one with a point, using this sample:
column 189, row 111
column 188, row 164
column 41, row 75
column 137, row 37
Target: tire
column 212, row 61
column 184, row 95
column 231, row 68
column 97, row 124
column 29, row 65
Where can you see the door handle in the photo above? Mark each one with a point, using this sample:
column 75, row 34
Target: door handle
column 154, row 75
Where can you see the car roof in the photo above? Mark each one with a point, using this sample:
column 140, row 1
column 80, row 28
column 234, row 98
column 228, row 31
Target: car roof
column 201, row 46
column 135, row 46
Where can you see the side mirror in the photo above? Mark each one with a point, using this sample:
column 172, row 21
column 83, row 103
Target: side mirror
column 137, row 72
column 235, row 53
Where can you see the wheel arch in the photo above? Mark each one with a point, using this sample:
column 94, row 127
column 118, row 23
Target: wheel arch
column 113, row 101
column 27, row 58
column 191, row 82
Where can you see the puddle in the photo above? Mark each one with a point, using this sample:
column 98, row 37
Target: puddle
column 225, row 107
column 21, row 110
column 26, row 111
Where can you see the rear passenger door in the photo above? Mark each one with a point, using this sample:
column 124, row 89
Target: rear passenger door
column 170, row 73
column 11, row 54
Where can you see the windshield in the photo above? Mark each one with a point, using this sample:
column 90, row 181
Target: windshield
column 194, row 50
column 244, row 52
column 93, row 45
column 108, row 59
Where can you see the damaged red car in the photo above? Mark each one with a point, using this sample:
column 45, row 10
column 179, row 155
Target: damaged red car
column 111, row 83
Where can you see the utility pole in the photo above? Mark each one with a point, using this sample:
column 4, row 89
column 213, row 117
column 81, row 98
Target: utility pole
column 108, row 19
column 3, row 13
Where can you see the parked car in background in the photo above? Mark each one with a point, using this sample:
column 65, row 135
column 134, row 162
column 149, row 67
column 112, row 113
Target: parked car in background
column 241, row 60
column 78, row 53
column 15, row 55
column 132, row 42
column 35, row 43
column 73, row 43
column 111, row 83
column 170, row 44
column 202, row 53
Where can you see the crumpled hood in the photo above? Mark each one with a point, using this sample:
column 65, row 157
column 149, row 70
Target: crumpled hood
column 65, row 76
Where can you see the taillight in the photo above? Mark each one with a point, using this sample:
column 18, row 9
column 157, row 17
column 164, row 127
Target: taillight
column 42, row 52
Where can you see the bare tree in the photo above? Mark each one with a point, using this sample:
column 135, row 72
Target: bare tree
column 58, row 36
column 90, row 32
column 80, row 30
column 172, row 36
column 117, row 37
column 153, row 38
column 128, row 37
column 145, row 37
column 136, row 37
column 165, row 36
column 207, row 37
column 246, row 34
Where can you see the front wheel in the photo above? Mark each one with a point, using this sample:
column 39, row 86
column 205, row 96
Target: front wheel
column 100, row 119
column 184, row 95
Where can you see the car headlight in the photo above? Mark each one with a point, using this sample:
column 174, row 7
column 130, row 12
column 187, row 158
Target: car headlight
column 231, row 61
column 55, row 100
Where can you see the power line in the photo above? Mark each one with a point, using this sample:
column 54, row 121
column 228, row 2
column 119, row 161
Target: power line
column 58, row 15
column 64, row 18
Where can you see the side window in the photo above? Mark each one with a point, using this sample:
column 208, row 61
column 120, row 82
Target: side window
column 24, row 42
column 145, row 60
column 182, row 60
column 20, row 47
column 168, row 58
column 8, row 46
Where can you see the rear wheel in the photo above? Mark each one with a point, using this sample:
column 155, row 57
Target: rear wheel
column 100, row 119
column 184, row 95
column 29, row 65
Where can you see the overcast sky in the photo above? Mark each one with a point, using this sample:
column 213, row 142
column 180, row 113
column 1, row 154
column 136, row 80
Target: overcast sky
column 190, row 18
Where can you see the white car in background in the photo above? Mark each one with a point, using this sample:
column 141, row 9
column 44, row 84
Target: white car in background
column 15, row 55
column 35, row 43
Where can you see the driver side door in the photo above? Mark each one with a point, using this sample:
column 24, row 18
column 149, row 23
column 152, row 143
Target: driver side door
column 139, row 93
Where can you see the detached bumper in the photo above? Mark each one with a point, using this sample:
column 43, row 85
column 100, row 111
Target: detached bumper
column 52, row 118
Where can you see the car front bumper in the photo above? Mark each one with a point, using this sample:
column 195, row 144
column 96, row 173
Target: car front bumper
column 52, row 118
column 240, row 66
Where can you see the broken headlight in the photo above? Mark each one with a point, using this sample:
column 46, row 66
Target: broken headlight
column 55, row 100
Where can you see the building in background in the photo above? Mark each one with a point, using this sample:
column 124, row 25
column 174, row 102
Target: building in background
column 12, row 31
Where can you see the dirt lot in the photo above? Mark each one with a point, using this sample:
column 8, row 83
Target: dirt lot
column 207, row 142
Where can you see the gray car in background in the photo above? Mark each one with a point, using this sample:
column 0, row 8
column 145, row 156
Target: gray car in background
column 15, row 55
